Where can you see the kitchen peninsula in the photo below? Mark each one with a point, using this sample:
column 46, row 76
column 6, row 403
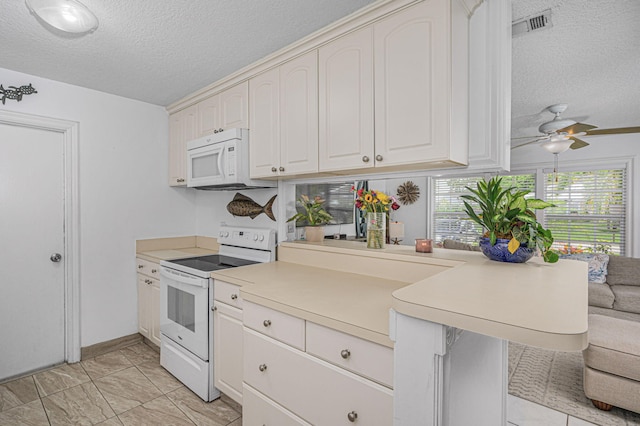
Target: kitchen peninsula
column 447, row 315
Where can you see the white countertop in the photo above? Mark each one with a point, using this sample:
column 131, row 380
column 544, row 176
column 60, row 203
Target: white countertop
column 345, row 286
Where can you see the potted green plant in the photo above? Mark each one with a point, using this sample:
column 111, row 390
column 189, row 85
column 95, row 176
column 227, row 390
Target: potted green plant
column 314, row 215
column 512, row 231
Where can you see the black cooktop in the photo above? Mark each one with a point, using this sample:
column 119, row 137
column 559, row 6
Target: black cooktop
column 212, row 262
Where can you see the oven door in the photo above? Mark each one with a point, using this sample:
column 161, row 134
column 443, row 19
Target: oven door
column 184, row 310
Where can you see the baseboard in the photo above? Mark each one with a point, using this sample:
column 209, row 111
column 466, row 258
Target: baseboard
column 110, row 346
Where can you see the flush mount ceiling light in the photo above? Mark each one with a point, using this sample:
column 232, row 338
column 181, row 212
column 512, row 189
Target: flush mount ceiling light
column 69, row 16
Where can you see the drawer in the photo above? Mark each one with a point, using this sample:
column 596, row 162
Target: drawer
column 280, row 326
column 353, row 353
column 148, row 268
column 227, row 293
column 259, row 410
column 317, row 391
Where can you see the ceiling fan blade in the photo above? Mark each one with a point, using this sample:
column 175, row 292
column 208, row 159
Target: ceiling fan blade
column 527, row 143
column 576, row 128
column 578, row 143
column 616, row 131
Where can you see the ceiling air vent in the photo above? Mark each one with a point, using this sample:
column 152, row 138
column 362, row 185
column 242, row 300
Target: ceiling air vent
column 537, row 22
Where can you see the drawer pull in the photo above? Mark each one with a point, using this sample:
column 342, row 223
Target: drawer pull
column 266, row 323
column 153, row 271
column 140, row 266
column 352, row 416
column 262, row 367
column 234, row 296
column 345, row 353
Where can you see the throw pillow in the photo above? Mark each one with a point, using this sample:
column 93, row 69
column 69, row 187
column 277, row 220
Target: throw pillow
column 597, row 264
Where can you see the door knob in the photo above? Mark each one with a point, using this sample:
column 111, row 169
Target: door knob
column 56, row 257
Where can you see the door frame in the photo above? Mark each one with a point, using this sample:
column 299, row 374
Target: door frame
column 71, row 237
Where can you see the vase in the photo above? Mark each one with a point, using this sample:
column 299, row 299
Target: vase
column 500, row 251
column 376, row 230
column 314, row 234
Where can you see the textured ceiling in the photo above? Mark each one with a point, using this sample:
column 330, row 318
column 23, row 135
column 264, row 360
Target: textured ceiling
column 589, row 59
column 159, row 51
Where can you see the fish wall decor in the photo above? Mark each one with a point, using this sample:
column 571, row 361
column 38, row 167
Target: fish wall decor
column 241, row 205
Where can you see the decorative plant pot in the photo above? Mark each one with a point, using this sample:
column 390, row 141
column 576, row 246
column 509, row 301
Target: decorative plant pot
column 314, row 234
column 500, row 251
column 376, row 230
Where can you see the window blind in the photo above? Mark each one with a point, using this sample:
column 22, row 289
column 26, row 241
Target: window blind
column 450, row 221
column 591, row 210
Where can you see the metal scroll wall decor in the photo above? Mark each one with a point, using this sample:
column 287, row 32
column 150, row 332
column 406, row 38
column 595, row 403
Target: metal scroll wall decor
column 408, row 193
column 15, row 93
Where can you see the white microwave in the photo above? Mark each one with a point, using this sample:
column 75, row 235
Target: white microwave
column 221, row 162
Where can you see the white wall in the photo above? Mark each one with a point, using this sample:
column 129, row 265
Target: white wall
column 124, row 196
column 211, row 209
column 603, row 150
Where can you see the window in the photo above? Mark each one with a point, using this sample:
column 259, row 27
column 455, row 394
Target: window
column 591, row 210
column 338, row 200
column 450, row 221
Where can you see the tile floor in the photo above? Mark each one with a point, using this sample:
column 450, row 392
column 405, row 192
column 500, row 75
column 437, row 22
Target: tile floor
column 124, row 387
column 128, row 387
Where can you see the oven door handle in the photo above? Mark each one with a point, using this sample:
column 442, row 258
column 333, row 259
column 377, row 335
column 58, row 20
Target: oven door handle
column 183, row 278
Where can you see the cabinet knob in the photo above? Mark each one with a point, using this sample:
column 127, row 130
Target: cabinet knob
column 378, row 157
column 153, row 271
column 266, row 323
column 140, row 266
column 262, row 367
column 214, row 308
column 273, row 169
column 148, row 281
column 215, row 130
column 180, row 180
column 281, row 169
column 234, row 296
column 345, row 353
column 365, row 159
column 352, row 416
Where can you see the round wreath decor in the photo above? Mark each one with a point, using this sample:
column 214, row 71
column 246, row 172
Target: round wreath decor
column 408, row 193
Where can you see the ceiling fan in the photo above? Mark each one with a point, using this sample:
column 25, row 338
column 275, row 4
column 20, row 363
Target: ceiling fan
column 560, row 134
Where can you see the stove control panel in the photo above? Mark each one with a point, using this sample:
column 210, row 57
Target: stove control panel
column 255, row 238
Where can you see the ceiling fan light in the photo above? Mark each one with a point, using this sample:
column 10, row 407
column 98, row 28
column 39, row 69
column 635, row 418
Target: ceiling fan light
column 557, row 146
column 69, row 16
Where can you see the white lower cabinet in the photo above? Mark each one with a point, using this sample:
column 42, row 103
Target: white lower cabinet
column 264, row 412
column 227, row 340
column 293, row 383
column 149, row 300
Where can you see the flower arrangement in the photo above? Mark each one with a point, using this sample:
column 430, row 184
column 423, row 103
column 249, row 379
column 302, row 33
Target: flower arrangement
column 373, row 201
column 314, row 214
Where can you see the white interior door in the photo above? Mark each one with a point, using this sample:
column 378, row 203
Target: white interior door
column 31, row 231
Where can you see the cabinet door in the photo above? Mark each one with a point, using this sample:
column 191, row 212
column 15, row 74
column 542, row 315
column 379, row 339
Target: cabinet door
column 346, row 102
column 227, row 350
column 264, row 124
column 209, row 115
column 412, row 85
column 257, row 409
column 183, row 127
column 299, row 115
column 154, row 312
column 144, row 306
column 319, row 392
column 234, row 108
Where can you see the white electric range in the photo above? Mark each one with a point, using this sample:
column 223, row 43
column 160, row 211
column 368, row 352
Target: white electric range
column 186, row 302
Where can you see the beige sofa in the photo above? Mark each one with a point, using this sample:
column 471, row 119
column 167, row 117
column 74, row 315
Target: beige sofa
column 619, row 297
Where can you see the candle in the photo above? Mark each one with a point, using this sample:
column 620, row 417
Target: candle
column 396, row 230
column 424, row 245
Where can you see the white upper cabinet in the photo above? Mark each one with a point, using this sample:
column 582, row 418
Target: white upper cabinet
column 346, row 102
column 226, row 110
column 183, row 127
column 264, row 124
column 421, row 86
column 284, row 119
